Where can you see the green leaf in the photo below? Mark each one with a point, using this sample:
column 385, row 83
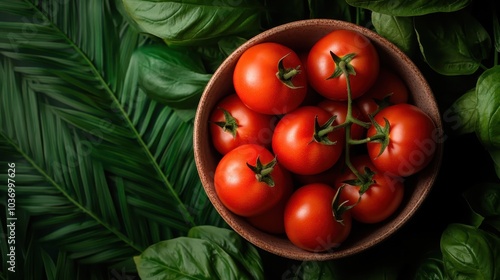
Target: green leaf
column 398, row 30
column 488, row 108
column 338, row 9
column 431, row 267
column 187, row 258
column 484, row 200
column 495, row 156
column 243, row 253
column 104, row 171
column 195, row 23
column 462, row 114
column 174, row 77
column 452, row 43
column 410, row 7
column 314, row 270
column 470, row 253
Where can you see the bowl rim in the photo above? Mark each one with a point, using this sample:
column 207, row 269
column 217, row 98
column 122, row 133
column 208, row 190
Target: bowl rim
column 333, row 254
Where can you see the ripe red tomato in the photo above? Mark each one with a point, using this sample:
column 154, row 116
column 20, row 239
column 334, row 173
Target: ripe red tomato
column 382, row 198
column 298, row 145
column 389, row 89
column 339, row 109
column 310, row 223
column 411, row 140
column 343, row 43
column 233, row 124
column 262, row 86
column 245, row 191
column 272, row 220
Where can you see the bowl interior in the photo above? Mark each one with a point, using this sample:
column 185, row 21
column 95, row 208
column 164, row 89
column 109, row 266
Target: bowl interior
column 301, row 35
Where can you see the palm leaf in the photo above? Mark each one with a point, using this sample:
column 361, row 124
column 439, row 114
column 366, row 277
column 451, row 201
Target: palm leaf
column 102, row 170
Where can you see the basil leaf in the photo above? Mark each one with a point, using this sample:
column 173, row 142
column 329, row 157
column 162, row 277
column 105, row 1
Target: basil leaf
column 242, row 252
column 214, row 55
column 431, row 267
column 410, row 7
column 195, row 22
column 187, row 258
column 470, row 253
column 484, row 200
column 495, row 155
column 313, row 270
column 398, row 30
column 488, row 104
column 338, row 9
column 452, row 43
column 462, row 116
column 174, row 77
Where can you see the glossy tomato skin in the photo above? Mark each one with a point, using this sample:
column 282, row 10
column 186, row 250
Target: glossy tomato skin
column 309, row 221
column 320, row 65
column 272, row 221
column 339, row 109
column 382, row 198
column 295, row 148
column 412, row 140
column 252, row 127
column 388, row 85
column 237, row 186
column 256, row 83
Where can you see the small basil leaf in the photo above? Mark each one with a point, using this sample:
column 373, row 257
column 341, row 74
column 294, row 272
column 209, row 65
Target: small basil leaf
column 431, row 267
column 484, row 200
column 242, row 252
column 174, row 77
column 469, row 252
column 398, row 30
column 452, row 43
column 330, row 9
column 410, row 7
column 313, row 270
column 186, row 258
column 462, row 116
column 488, row 104
column 195, row 22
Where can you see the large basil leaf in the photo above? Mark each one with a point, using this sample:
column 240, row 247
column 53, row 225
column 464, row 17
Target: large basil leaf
column 452, row 43
column 174, row 77
column 195, row 22
column 462, row 116
column 398, row 30
column 470, row 253
column 410, row 7
column 187, row 258
column 484, row 200
column 242, row 252
column 488, row 107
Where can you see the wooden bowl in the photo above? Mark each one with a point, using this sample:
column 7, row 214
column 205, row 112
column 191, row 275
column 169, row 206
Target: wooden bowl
column 301, row 35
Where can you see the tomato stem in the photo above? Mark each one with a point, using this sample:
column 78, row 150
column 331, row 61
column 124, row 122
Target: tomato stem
column 285, row 75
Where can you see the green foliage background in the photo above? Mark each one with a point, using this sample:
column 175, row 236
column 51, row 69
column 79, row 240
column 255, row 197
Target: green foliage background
column 103, row 152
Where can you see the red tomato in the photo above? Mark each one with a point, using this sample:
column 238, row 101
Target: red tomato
column 310, row 223
column 298, row 149
column 339, row 109
column 233, row 124
column 411, row 140
column 272, row 220
column 321, row 66
column 389, row 89
column 382, row 198
column 258, row 83
column 247, row 192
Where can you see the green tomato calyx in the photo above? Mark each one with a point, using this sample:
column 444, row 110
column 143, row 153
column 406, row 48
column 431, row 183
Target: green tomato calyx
column 285, row 75
column 263, row 171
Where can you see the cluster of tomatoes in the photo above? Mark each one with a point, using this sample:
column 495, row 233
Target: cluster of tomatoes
column 313, row 140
